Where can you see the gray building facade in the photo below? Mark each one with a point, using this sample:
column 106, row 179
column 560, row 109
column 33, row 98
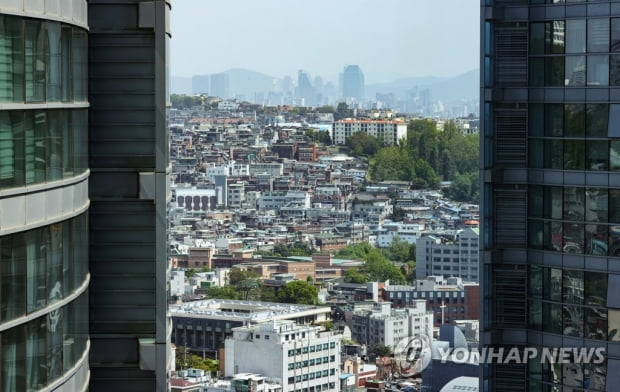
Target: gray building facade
column 550, row 143
column 128, row 159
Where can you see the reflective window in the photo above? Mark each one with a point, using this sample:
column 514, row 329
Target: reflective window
column 597, row 116
column 554, row 120
column 615, row 35
column 35, row 63
column 597, row 156
column 572, row 287
column 598, row 70
column 614, row 325
column 552, row 317
column 35, row 354
column 573, row 320
column 38, row 146
column 574, row 120
column 596, row 323
column 576, row 36
column 11, row 59
column 575, row 71
column 42, row 266
column 598, row 35
column 574, row 154
column 595, row 286
column 41, row 61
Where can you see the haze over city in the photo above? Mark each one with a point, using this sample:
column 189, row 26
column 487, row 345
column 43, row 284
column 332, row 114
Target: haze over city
column 391, row 40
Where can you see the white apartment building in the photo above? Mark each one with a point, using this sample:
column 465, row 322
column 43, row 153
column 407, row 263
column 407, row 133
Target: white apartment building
column 272, row 168
column 386, row 326
column 299, row 357
column 437, row 256
column 231, row 169
column 227, row 105
column 277, row 200
column 408, row 232
column 372, row 212
column 388, row 131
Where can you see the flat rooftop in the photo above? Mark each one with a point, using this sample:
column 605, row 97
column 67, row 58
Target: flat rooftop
column 250, row 311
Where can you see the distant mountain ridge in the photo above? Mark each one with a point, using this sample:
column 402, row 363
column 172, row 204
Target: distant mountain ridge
column 247, row 82
column 465, row 86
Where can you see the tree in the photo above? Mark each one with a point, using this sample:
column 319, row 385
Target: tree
column 399, row 250
column 298, row 292
column 464, row 188
column 184, row 359
column 191, row 272
column 378, row 268
column 295, row 249
column 363, row 144
column 342, row 111
column 410, row 275
column 354, row 276
column 226, row 292
column 236, row 276
column 398, row 214
column 383, row 350
column 268, row 294
column 391, row 163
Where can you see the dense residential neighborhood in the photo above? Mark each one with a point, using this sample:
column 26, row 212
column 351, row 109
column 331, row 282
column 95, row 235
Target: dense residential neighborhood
column 281, row 238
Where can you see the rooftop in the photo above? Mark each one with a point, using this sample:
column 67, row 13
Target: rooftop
column 250, row 311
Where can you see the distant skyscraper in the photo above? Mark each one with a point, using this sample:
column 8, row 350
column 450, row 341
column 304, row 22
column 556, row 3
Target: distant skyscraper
column 305, row 91
column 550, row 234
column 200, row 84
column 220, row 85
column 353, row 82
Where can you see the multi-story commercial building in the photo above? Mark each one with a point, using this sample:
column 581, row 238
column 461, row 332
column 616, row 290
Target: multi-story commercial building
column 386, row 326
column 273, row 168
column 205, row 325
column 236, row 195
column 550, row 201
column 449, row 299
column 83, row 174
column 277, row 200
column 299, row 356
column 352, row 82
column 387, row 131
column 458, row 257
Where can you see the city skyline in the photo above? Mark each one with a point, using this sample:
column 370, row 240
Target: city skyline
column 305, row 36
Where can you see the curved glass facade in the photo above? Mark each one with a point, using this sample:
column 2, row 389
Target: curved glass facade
column 38, row 146
column 42, row 61
column 43, row 270
column 41, row 351
column 41, row 266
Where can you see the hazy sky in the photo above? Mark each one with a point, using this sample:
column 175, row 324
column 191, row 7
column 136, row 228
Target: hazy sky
column 386, row 38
